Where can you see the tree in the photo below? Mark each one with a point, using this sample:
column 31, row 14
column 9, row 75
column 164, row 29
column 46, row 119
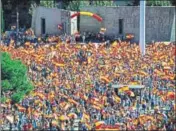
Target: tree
column 25, row 16
column 47, row 3
column 155, row 2
column 14, row 78
column 158, row 3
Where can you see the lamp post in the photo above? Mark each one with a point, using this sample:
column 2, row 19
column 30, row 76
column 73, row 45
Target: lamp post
column 142, row 27
column 17, row 22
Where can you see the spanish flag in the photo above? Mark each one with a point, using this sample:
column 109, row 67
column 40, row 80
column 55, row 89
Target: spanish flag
column 117, row 99
column 72, row 101
column 85, row 97
column 85, row 116
column 114, row 43
column 59, row 64
column 88, row 126
column 130, row 93
column 40, row 95
column 66, row 106
column 123, row 89
column 62, row 104
column 96, row 107
column 105, row 79
column 171, row 95
column 20, row 108
column 134, row 83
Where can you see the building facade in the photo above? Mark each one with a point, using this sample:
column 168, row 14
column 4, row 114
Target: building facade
column 118, row 21
column 121, row 20
column 46, row 21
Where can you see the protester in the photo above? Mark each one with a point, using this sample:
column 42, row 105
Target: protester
column 74, row 82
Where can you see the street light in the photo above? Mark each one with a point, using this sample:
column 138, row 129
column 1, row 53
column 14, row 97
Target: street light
column 142, row 27
column 17, row 22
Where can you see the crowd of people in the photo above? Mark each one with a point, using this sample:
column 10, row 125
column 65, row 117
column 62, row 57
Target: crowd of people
column 75, row 82
column 23, row 36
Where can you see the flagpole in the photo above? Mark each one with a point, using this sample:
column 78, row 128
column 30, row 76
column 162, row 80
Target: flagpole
column 142, row 27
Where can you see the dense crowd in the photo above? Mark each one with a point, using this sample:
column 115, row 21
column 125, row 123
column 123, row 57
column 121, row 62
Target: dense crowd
column 24, row 36
column 74, row 82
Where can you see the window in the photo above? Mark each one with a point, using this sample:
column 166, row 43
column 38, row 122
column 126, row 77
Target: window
column 120, row 26
column 43, row 26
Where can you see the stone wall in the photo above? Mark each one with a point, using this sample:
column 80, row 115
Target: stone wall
column 159, row 21
column 53, row 18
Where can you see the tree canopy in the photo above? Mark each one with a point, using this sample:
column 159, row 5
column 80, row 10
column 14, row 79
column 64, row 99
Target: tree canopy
column 14, row 78
column 156, row 2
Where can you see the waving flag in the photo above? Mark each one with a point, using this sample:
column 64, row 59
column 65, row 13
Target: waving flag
column 123, row 89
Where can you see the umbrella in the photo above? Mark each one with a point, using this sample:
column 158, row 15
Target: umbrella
column 63, row 118
column 72, row 115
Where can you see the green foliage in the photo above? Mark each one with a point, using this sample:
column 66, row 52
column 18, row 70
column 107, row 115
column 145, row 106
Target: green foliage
column 16, row 97
column 3, row 99
column 75, row 5
column 14, row 78
column 6, row 85
column 47, row 3
column 158, row 3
